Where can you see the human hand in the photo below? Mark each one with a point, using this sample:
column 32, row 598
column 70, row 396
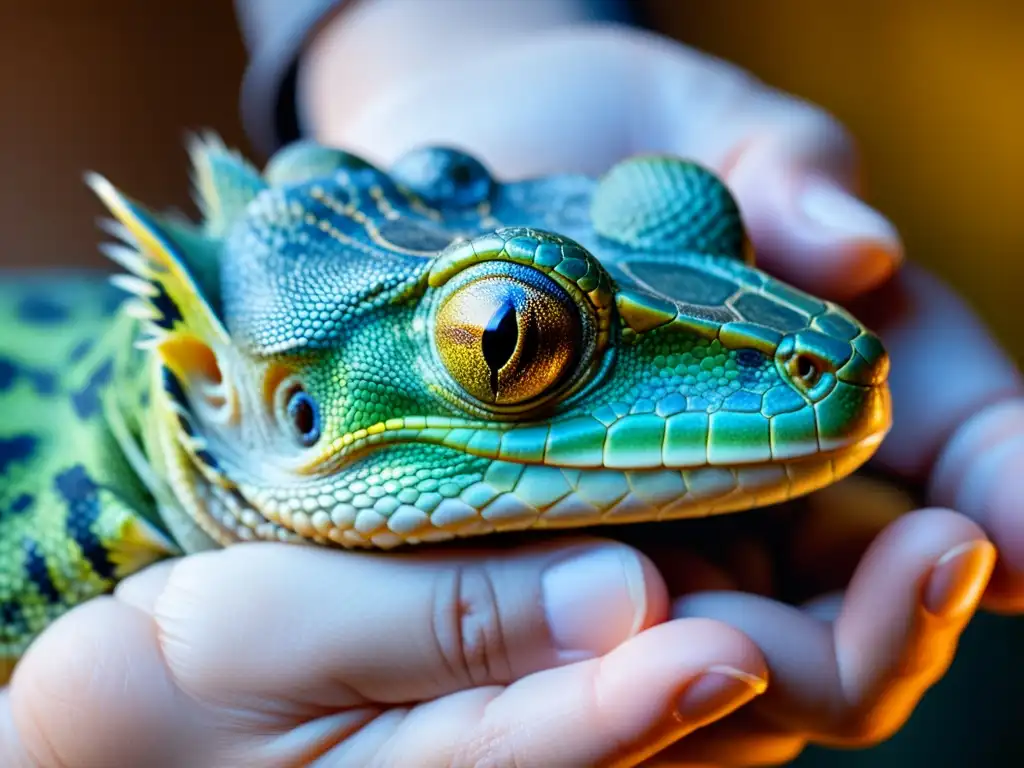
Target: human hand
column 847, row 668
column 278, row 655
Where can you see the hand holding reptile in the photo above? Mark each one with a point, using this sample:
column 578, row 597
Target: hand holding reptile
column 885, row 621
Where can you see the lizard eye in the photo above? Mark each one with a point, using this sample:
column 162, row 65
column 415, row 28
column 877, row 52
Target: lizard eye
column 304, row 417
column 508, row 336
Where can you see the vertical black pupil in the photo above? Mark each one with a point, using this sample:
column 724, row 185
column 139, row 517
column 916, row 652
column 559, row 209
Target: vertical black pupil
column 461, row 175
column 499, row 340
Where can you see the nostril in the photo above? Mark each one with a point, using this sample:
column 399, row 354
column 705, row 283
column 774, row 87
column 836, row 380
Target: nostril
column 810, row 361
column 806, row 369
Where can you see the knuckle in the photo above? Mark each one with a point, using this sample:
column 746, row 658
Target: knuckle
column 468, row 626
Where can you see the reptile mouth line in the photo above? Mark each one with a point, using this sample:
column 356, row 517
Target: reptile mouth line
column 244, row 514
column 520, row 444
column 319, row 509
column 248, row 512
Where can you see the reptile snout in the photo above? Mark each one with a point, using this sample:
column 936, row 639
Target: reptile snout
column 811, row 360
column 868, row 366
column 844, row 383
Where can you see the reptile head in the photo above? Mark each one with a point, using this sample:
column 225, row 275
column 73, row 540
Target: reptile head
column 368, row 358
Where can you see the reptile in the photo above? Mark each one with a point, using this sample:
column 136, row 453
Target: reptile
column 338, row 354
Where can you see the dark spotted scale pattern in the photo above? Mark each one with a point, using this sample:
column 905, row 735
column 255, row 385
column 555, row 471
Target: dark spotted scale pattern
column 66, row 494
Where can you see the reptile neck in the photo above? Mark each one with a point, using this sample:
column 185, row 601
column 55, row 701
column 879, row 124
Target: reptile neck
column 125, row 404
column 147, row 432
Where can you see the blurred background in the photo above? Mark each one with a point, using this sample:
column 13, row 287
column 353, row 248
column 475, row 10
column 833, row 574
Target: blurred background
column 932, row 89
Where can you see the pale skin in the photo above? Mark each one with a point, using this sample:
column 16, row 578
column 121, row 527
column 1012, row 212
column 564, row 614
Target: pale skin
column 259, row 655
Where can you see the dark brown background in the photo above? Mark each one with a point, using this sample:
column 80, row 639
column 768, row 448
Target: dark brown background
column 933, row 89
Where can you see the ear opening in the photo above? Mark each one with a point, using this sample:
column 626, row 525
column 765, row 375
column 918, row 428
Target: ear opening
column 198, row 367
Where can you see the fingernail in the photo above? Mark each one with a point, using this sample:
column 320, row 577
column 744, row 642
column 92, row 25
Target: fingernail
column 720, row 690
column 833, row 209
column 959, row 578
column 594, row 600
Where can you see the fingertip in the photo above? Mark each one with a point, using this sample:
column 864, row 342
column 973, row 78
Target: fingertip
column 685, row 649
column 95, row 675
column 981, row 472
column 809, row 228
column 619, row 709
column 851, row 670
column 831, row 243
column 717, row 692
column 597, row 596
column 864, row 237
column 694, row 671
column 915, row 562
column 958, row 580
column 913, row 593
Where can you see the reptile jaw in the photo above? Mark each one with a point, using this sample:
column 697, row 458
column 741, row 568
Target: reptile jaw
column 369, row 502
column 518, row 497
column 613, row 438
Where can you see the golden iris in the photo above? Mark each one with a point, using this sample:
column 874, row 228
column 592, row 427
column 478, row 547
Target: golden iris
column 509, row 337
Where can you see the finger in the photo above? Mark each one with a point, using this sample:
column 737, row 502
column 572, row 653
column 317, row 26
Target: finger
column 981, row 472
column 581, row 98
column 358, row 628
column 94, row 691
column 958, row 417
column 614, row 711
column 856, row 680
column 12, row 748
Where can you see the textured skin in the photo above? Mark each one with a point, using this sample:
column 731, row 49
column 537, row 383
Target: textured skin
column 70, row 506
column 340, row 355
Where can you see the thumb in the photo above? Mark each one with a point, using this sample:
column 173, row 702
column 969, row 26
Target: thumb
column 370, row 628
column 264, row 639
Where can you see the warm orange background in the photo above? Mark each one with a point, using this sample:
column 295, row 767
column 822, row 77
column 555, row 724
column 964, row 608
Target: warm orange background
column 933, row 90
